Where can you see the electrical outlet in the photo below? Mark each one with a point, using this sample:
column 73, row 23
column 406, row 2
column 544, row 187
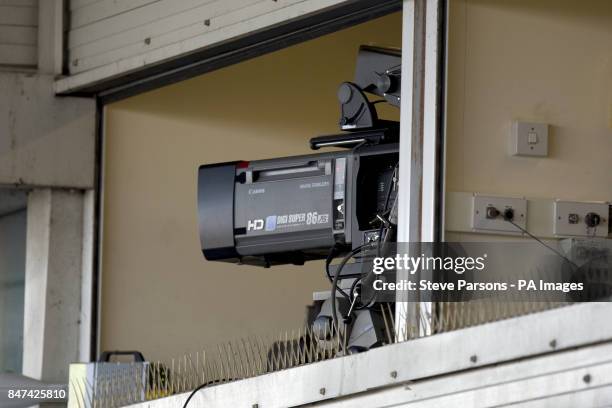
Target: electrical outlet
column 582, row 219
column 488, row 214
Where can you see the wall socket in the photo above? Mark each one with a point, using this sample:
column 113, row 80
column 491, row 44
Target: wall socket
column 485, row 218
column 582, row 219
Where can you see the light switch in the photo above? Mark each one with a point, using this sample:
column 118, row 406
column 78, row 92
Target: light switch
column 529, row 139
column 532, row 138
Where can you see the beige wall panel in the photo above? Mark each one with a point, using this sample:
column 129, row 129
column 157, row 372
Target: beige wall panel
column 159, row 295
column 547, row 61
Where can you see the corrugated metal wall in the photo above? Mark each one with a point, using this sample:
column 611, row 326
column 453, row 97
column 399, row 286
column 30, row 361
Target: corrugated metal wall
column 106, row 32
column 18, row 33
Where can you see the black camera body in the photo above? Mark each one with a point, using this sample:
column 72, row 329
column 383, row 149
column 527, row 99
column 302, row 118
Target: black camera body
column 293, row 209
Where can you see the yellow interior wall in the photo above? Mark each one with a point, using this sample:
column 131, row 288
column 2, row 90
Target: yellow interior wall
column 537, row 60
column 159, row 295
column 545, row 60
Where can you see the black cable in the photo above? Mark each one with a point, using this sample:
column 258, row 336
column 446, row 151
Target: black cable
column 347, row 257
column 541, row 242
column 383, row 228
column 330, row 257
column 332, row 254
column 361, row 306
column 194, row 392
column 341, row 265
column 353, row 286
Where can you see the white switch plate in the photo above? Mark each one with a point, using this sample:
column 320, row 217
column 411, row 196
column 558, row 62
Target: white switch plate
column 529, row 139
column 480, row 222
column 563, row 226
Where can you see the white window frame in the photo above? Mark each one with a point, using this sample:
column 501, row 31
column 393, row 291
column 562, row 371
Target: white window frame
column 419, row 193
